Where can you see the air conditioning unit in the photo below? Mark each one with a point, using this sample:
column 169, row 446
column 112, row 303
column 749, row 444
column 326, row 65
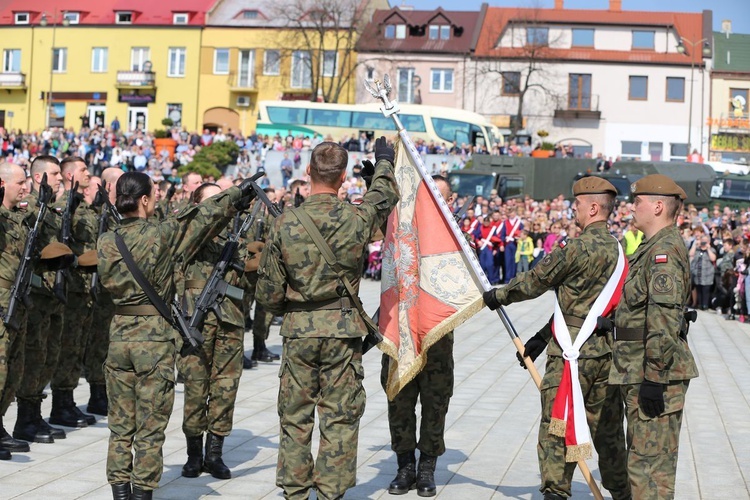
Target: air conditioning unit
column 243, row 101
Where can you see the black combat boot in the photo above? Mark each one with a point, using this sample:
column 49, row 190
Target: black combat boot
column 10, row 444
column 406, row 477
column 90, row 419
column 5, row 454
column 213, row 464
column 27, row 425
column 194, row 465
column 56, row 432
column 141, row 494
column 121, row 491
column 98, row 401
column 426, row 475
column 553, row 496
column 248, row 364
column 63, row 412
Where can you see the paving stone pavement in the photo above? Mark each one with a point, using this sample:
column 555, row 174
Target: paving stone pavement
column 491, row 427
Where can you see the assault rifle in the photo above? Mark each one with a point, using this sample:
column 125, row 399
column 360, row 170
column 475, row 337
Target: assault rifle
column 108, row 210
column 59, row 288
column 21, row 285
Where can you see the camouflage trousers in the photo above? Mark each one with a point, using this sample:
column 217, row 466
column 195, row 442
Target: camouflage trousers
column 261, row 319
column 604, row 413
column 434, row 388
column 11, row 354
column 653, row 442
column 140, row 388
column 212, row 378
column 77, row 322
column 98, row 339
column 322, row 373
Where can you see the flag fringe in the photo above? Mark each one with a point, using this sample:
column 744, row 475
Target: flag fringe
column 557, row 427
column 577, row 452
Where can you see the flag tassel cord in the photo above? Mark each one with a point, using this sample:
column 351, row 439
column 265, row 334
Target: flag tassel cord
column 391, row 109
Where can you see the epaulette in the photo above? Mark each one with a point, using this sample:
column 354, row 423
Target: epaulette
column 661, row 258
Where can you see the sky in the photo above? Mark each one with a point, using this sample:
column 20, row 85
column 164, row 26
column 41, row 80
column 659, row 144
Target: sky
column 738, row 11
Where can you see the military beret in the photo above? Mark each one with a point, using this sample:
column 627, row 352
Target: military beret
column 593, row 185
column 55, row 250
column 88, row 259
column 255, row 246
column 657, row 184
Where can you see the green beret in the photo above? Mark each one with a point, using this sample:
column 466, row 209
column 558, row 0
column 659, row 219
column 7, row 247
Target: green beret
column 657, row 184
column 593, row 185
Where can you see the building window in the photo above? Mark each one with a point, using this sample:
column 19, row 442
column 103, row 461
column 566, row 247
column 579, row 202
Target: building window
column 390, row 31
column 511, row 82
column 678, row 152
column 441, row 80
column 638, row 88
column 72, row 17
column 180, row 18
column 445, row 32
column 330, row 63
column 406, row 85
column 221, row 61
column 537, row 36
column 99, row 57
column 59, row 60
column 675, row 89
column 124, row 18
column 579, row 91
column 643, row 40
column 370, row 73
column 271, row 62
column 400, row 31
column 583, row 37
column 738, row 101
column 12, row 61
column 245, row 71
column 138, row 58
column 22, row 18
column 176, row 62
column 434, row 32
column 249, row 14
column 631, row 150
column 301, row 70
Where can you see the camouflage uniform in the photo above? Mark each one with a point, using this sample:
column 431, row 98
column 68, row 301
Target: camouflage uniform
column 139, row 369
column 261, row 319
column 434, row 388
column 654, row 294
column 322, row 358
column 579, row 272
column 212, row 376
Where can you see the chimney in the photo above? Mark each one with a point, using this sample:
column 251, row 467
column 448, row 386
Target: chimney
column 615, row 5
column 559, row 4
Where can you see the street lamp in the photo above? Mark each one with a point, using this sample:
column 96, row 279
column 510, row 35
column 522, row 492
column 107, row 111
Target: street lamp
column 44, row 22
column 706, row 51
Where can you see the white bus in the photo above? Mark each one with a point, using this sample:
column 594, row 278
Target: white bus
column 431, row 123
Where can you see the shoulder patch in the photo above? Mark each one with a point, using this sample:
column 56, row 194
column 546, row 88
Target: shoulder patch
column 23, row 205
column 663, row 283
column 661, row 258
column 563, row 243
column 547, row 260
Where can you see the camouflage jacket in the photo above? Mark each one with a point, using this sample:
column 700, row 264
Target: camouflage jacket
column 656, row 289
column 155, row 247
column 50, row 231
column 578, row 271
column 293, row 270
column 14, row 234
column 84, row 229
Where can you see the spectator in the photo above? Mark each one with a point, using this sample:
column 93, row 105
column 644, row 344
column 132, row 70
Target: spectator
column 702, row 260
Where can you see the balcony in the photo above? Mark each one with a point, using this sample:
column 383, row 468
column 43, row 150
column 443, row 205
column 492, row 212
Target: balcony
column 242, row 82
column 580, row 107
column 136, row 79
column 12, row 81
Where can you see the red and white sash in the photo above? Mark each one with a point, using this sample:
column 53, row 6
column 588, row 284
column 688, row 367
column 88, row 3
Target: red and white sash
column 568, row 410
column 488, row 238
column 509, row 235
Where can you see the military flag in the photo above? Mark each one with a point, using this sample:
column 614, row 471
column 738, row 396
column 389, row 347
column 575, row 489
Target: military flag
column 427, row 288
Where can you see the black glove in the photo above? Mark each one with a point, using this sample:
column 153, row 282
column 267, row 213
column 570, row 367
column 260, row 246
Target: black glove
column 298, row 199
column 77, row 199
column 171, row 191
column 535, row 346
column 491, row 300
column 651, row 398
column 383, row 151
column 248, row 192
column 368, row 171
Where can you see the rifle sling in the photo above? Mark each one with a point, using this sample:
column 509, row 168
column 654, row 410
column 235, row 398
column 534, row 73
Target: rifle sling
column 147, row 287
column 325, row 249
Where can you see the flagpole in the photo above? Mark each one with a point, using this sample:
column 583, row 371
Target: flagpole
column 391, row 109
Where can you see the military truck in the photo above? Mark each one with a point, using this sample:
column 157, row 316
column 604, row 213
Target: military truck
column 731, row 190
column 515, row 177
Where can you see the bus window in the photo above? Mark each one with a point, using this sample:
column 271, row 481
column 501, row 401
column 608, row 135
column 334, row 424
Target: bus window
column 452, row 130
column 466, row 184
column 413, row 123
column 510, row 187
column 294, row 116
column 373, row 121
column 478, row 137
column 329, row 118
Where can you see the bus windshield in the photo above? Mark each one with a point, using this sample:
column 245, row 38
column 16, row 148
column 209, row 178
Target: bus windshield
column 731, row 189
column 461, row 132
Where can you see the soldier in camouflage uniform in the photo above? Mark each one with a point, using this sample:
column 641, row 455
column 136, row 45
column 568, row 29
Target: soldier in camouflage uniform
column 44, row 326
column 322, row 352
column 578, row 271
column 433, row 386
column 652, row 363
column 212, row 376
column 13, row 180
column 140, row 363
column 78, row 310
column 261, row 319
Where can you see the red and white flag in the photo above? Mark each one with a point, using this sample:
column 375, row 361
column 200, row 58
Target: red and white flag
column 427, row 289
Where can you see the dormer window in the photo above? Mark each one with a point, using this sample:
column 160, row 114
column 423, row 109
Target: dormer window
column 124, row 17
column 445, row 32
column 250, row 14
column 72, row 17
column 400, row 31
column 439, row 32
column 390, row 31
column 22, row 18
column 179, row 18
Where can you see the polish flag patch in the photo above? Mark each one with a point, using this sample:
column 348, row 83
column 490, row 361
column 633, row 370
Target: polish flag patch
column 662, row 258
column 563, row 243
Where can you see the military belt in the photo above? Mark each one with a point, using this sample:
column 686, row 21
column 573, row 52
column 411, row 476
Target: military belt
column 340, row 303
column 195, row 283
column 573, row 321
column 6, row 284
column 622, row 333
column 142, row 310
